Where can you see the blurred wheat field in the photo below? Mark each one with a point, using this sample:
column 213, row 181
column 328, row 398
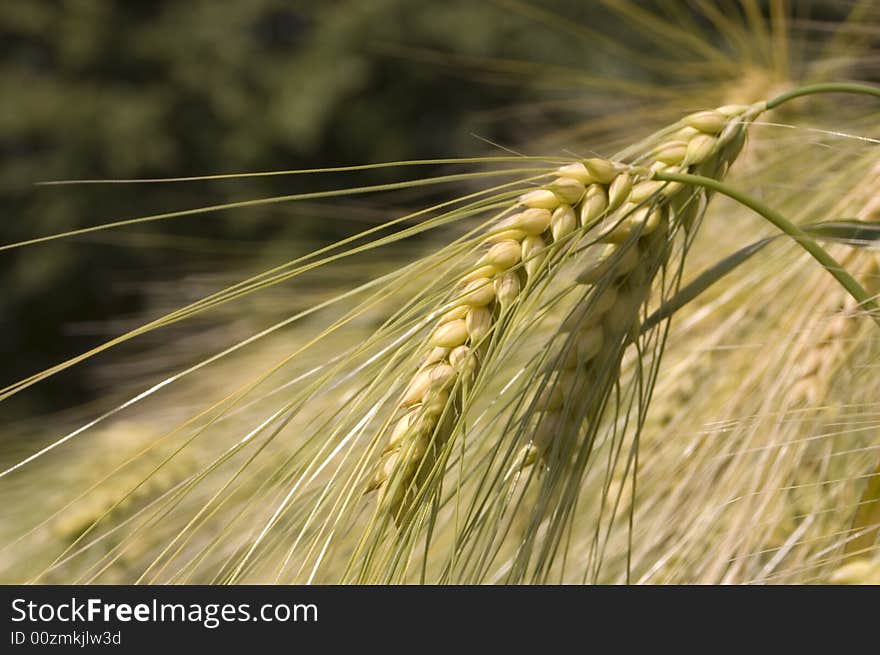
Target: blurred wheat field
column 260, row 425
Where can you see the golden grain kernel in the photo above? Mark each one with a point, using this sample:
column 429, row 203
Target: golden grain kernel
column 457, row 356
column 660, row 167
column 589, row 343
column 563, row 222
column 435, row 376
column 503, row 255
column 671, row 188
column 389, row 464
column 468, row 367
column 450, row 335
column 416, row 390
column 540, row 199
column 478, row 292
column 441, row 374
column 416, row 450
column 699, row 148
column 568, row 189
column 645, row 189
column 434, row 405
column 559, row 389
column 594, row 205
column 479, row 322
column 402, row 428
column 533, row 254
column 618, row 191
column 641, row 221
column 507, row 288
column 576, row 171
column 627, row 262
column 435, row 355
column 686, row 133
column 532, row 221
column 510, row 234
column 732, row 110
column 453, row 314
column 672, row 152
column 619, row 232
column 734, row 138
column 601, row 170
column 644, row 220
column 485, row 270
column 570, row 357
column 655, row 217
column 710, row 122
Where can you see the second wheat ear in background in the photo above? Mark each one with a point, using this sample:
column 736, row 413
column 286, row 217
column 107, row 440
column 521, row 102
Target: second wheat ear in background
column 594, row 201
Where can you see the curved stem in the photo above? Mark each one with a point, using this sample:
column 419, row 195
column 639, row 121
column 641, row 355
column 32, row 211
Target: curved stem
column 829, row 87
column 800, row 237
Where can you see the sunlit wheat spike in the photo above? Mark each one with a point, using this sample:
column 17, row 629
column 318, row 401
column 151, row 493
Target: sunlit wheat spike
column 589, row 198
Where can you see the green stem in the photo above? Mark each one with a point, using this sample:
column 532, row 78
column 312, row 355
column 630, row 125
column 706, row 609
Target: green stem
column 830, row 87
column 802, row 238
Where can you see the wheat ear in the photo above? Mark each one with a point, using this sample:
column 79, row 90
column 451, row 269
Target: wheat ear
column 618, row 204
column 639, row 245
column 515, row 253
